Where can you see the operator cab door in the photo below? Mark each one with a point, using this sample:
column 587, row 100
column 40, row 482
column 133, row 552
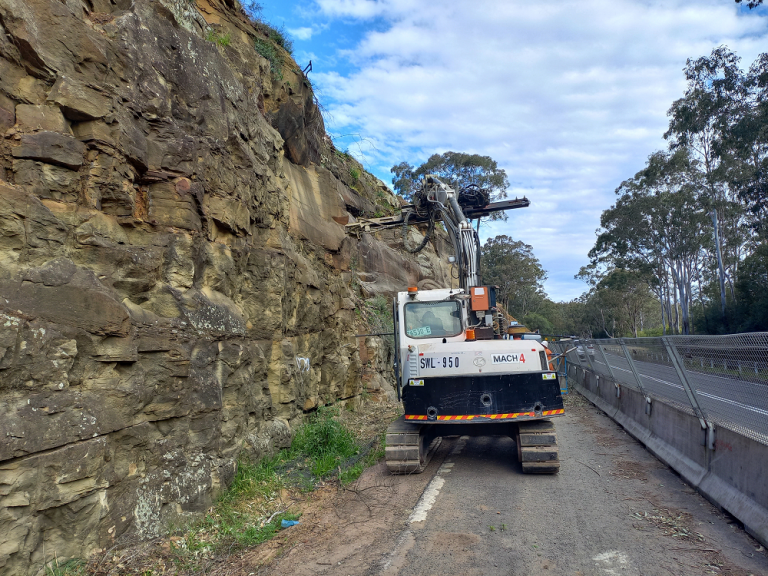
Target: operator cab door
column 398, row 360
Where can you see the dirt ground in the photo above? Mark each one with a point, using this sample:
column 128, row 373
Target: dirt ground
column 613, row 509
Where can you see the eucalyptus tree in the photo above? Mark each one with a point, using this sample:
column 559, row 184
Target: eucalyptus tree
column 746, row 141
column 629, row 290
column 657, row 229
column 700, row 121
column 512, row 266
column 752, row 304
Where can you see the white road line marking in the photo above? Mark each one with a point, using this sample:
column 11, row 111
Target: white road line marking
column 612, row 562
column 739, row 404
column 700, row 393
column 429, row 497
column 427, row 500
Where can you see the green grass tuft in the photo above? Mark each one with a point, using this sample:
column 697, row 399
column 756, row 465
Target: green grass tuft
column 220, row 39
column 325, row 442
column 74, row 567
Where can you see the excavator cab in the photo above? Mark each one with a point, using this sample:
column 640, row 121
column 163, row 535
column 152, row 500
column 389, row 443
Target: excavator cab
column 433, row 319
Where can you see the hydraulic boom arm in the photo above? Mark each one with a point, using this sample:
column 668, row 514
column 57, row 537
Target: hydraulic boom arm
column 435, row 201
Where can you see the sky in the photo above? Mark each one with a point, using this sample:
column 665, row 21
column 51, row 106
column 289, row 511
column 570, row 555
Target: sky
column 569, row 97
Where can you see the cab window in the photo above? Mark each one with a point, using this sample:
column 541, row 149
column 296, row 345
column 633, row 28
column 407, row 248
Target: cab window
column 432, row 319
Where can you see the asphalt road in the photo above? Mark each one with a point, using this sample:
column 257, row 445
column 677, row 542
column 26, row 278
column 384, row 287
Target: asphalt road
column 613, row 509
column 738, row 403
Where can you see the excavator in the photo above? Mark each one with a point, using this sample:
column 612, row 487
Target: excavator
column 460, row 367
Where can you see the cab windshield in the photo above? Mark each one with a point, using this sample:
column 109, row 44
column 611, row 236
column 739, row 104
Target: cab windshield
column 432, row 319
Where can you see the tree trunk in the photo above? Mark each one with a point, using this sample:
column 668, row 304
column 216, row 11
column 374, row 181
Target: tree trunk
column 681, row 287
column 690, row 266
column 720, row 270
column 604, row 327
column 701, row 301
column 674, row 301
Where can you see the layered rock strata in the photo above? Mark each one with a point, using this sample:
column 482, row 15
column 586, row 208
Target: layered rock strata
column 176, row 287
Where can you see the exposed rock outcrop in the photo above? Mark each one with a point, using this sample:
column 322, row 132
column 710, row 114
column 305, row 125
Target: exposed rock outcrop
column 171, row 240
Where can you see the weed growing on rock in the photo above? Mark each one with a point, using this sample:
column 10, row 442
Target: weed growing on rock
column 268, row 50
column 279, row 37
column 378, row 313
column 220, row 39
column 254, row 12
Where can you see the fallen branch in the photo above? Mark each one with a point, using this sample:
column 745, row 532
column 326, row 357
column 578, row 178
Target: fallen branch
column 275, row 514
column 590, row 467
column 695, row 549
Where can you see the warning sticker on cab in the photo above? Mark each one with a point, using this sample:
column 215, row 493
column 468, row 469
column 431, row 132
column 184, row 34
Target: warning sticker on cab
column 416, row 382
column 550, row 376
column 508, row 358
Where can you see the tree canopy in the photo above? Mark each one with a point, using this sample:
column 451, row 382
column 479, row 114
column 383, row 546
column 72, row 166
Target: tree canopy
column 458, row 170
column 688, row 221
column 512, row 266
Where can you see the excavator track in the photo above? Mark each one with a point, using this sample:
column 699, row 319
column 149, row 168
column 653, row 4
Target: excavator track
column 409, row 447
column 537, row 447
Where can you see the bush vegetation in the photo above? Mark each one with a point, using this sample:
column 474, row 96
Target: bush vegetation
column 275, row 38
column 269, row 51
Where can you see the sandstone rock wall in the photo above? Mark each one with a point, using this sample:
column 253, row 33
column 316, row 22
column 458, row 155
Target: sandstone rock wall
column 171, row 242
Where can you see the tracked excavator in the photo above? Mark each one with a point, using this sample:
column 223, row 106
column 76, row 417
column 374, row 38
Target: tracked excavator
column 460, row 368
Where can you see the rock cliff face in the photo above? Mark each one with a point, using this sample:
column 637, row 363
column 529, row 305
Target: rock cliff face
column 175, row 283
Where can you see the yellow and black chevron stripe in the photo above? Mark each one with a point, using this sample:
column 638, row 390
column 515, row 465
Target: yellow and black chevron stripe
column 508, row 416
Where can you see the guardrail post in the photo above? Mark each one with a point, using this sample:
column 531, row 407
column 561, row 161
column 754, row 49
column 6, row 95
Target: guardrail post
column 605, row 359
column 677, row 364
column 562, row 362
column 586, row 355
column 632, row 367
column 565, row 371
column 591, row 366
column 576, row 350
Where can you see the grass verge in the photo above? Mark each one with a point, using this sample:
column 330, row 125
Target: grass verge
column 252, row 509
column 332, row 446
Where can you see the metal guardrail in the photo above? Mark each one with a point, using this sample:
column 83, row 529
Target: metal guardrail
column 722, row 380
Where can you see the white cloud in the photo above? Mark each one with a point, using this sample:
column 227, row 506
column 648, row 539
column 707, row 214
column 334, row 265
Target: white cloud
column 570, row 97
column 352, row 8
column 304, row 33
